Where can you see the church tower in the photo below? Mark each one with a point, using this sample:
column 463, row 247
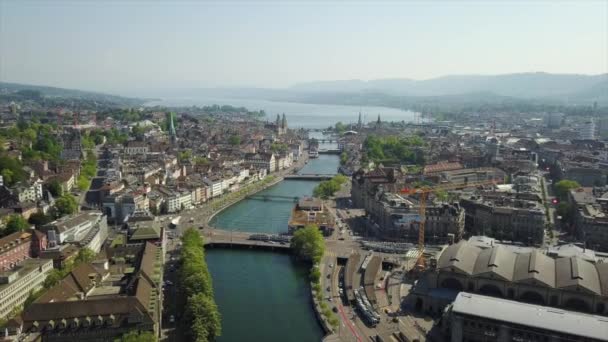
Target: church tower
column 172, row 131
column 284, row 123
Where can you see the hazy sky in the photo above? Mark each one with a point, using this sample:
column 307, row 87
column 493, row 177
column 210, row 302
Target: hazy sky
column 118, row 45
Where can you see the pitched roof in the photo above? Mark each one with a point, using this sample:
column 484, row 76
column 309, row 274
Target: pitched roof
column 575, row 272
column 461, row 256
column 534, row 267
column 497, row 260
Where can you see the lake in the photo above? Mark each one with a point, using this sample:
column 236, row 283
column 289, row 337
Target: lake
column 300, row 115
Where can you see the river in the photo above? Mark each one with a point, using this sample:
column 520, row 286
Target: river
column 264, row 296
column 300, row 115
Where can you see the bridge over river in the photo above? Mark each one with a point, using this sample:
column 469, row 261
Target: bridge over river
column 310, row 176
column 230, row 238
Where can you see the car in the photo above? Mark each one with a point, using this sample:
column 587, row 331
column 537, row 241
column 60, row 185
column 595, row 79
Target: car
column 201, row 227
column 335, row 309
column 341, row 238
column 331, row 265
column 328, row 289
column 328, row 275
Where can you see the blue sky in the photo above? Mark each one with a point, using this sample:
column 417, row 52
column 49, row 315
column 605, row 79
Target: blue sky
column 120, row 45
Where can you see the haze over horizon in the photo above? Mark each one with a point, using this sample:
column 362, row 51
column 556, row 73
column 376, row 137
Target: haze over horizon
column 131, row 47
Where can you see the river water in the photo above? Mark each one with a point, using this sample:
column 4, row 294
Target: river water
column 264, row 296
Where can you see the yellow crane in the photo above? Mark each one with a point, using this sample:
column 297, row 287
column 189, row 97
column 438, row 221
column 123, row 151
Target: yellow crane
column 423, row 192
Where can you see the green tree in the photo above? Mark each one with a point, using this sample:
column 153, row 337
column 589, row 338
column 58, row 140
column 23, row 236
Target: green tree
column 137, row 336
column 564, row 186
column 343, row 158
column 7, row 176
column 205, row 317
column 234, row 140
column 15, row 223
column 202, row 318
column 55, row 188
column 85, row 255
column 53, row 278
column 393, row 149
column 83, row 183
column 308, row 243
column 66, row 205
column 15, row 167
column 340, row 127
column 184, row 155
column 441, row 195
column 39, row 219
column 328, row 188
column 201, row 161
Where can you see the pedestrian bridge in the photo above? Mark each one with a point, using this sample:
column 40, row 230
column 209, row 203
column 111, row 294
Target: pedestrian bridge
column 310, row 176
column 329, row 151
column 274, row 198
column 236, row 239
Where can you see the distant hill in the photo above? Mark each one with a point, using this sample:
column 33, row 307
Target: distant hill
column 522, row 85
column 9, row 91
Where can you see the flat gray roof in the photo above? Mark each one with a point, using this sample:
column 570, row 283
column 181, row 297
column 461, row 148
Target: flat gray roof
column 536, row 316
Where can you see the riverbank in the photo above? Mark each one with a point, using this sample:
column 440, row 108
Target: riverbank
column 216, row 206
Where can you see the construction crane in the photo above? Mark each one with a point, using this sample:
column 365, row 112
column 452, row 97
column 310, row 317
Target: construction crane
column 423, row 192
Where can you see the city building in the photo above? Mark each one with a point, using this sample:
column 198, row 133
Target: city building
column 17, row 247
column 136, row 147
column 28, row 191
column 554, row 120
column 311, row 211
column 587, row 130
column 77, row 229
column 261, row 160
column 505, row 215
column 590, row 209
column 529, row 276
column 18, row 283
column 474, row 317
column 91, row 304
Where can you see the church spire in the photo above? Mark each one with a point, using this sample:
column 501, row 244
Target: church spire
column 284, row 122
column 359, row 123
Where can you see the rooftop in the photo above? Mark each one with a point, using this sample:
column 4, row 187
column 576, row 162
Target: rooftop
column 535, row 316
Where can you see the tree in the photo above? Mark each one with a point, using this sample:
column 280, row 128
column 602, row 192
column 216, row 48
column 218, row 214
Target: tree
column 55, row 188
column 340, row 127
column 137, row 336
column 83, row 183
column 343, row 158
column 393, row 149
column 564, row 186
column 308, row 243
column 39, row 219
column 201, row 161
column 85, row 255
column 202, row 317
column 234, row 140
column 15, row 223
column 7, row 176
column 53, row 278
column 205, row 317
column 328, row 188
column 184, row 155
column 66, row 205
column 441, row 195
